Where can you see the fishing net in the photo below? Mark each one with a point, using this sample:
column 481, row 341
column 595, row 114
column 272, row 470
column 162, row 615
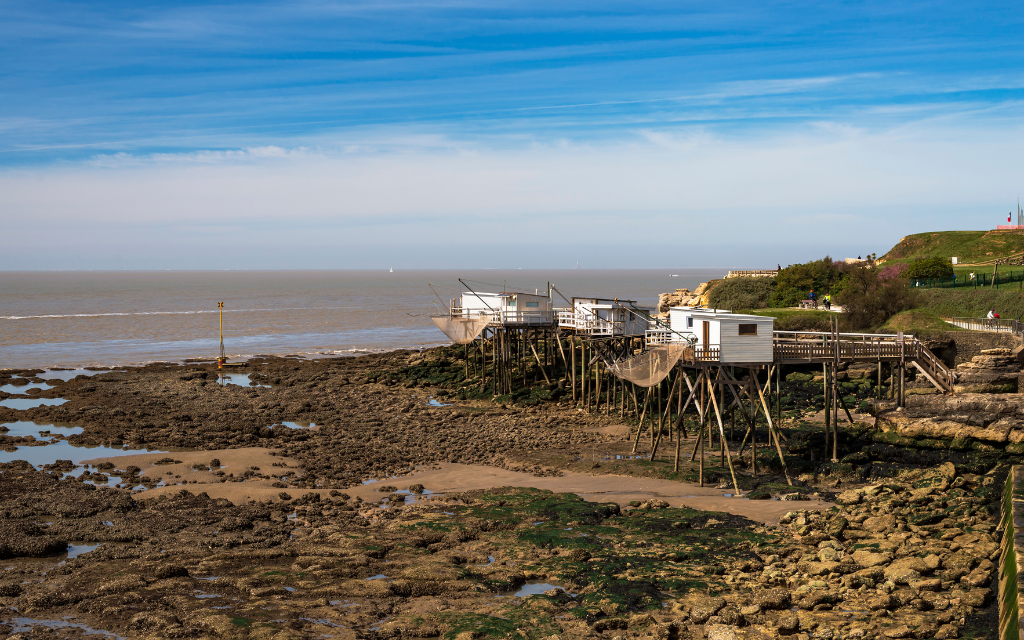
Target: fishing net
column 461, row 330
column 650, row 367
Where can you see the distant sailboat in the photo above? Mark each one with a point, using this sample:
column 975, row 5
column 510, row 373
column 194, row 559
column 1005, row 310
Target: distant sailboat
column 392, row 270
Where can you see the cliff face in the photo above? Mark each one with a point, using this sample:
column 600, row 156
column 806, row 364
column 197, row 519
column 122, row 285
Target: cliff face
column 988, row 407
column 684, row 298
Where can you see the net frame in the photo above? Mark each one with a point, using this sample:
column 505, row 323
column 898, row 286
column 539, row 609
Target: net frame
column 462, row 330
column 652, row 366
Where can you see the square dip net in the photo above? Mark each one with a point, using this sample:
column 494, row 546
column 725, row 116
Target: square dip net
column 461, row 330
column 652, row 366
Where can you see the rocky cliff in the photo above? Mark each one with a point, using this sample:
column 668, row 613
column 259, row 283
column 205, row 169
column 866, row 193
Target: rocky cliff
column 685, row 298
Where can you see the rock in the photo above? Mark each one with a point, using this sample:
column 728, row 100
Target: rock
column 977, row 597
column 880, row 523
column 788, row 623
column 850, row 497
column 867, row 558
column 704, row 608
column 750, row 610
column 836, row 526
column 773, row 599
column 899, row 631
column 947, row 632
column 904, row 570
column 720, row 632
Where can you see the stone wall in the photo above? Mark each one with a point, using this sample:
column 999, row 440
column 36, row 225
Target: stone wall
column 972, row 343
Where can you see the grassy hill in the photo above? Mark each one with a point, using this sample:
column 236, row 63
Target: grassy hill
column 970, row 247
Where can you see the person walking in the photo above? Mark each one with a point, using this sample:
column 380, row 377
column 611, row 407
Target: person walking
column 828, row 301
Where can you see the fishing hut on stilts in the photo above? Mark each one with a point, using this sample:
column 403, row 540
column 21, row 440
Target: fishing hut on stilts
column 502, row 332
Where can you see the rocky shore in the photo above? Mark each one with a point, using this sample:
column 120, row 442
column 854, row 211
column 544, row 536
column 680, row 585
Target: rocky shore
column 303, row 549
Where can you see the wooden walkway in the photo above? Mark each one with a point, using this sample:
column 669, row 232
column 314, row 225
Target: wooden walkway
column 807, row 347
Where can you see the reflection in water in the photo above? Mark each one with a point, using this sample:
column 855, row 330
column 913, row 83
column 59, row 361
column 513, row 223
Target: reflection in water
column 23, row 389
column 297, row 425
column 241, row 379
column 71, row 374
column 63, row 450
column 25, row 625
column 22, row 404
column 75, row 550
column 23, row 428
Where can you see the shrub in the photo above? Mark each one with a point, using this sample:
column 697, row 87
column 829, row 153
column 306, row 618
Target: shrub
column 868, row 301
column 742, row 293
column 796, row 281
column 935, row 267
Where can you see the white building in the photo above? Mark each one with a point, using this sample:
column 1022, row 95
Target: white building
column 507, row 308
column 605, row 317
column 722, row 336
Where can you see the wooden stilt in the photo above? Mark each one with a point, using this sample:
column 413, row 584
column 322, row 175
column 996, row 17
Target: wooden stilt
column 725, row 450
column 640, row 427
column 778, row 448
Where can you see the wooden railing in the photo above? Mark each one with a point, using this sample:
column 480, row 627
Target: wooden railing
column 508, row 317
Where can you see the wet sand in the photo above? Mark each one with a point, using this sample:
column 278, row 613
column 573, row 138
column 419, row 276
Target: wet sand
column 440, row 478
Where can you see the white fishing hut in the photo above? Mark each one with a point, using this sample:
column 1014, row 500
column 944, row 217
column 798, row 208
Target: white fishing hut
column 507, row 308
column 605, row 317
column 723, row 336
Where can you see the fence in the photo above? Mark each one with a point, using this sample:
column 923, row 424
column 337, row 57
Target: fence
column 999, row 325
column 965, row 280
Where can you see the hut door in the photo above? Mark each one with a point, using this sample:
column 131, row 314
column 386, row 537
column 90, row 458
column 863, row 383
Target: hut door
column 706, row 335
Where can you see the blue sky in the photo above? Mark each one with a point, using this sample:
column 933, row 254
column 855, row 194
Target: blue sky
column 463, row 134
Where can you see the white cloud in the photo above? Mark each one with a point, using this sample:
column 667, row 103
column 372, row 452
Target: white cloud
column 684, row 186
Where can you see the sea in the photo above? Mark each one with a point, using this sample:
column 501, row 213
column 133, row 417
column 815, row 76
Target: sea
column 62, row 319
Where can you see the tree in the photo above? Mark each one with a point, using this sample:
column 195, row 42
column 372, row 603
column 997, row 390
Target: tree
column 795, row 282
column 869, row 300
column 934, row 267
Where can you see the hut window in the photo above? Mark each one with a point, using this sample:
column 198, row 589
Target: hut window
column 532, row 304
column 748, row 329
column 689, row 322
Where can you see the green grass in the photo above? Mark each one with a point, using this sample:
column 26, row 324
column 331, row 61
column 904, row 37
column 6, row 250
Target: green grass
column 967, row 246
column 974, row 303
column 918, row 322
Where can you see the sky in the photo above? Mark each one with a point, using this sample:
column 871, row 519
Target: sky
column 463, row 134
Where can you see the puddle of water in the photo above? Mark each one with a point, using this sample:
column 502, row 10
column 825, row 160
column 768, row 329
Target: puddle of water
column 63, row 450
column 296, row 425
column 289, row 589
column 21, row 404
column 490, row 561
column 108, row 523
column 75, row 550
column 535, row 589
column 413, row 498
column 71, row 374
column 23, row 390
column 210, row 579
column 203, row 596
column 241, row 379
column 26, row 624
column 24, row 428
column 379, row 576
column 434, row 403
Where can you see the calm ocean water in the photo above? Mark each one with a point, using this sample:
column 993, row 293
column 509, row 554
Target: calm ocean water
column 66, row 319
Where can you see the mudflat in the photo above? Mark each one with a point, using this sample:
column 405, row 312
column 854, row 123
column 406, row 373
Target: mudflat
column 323, row 498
